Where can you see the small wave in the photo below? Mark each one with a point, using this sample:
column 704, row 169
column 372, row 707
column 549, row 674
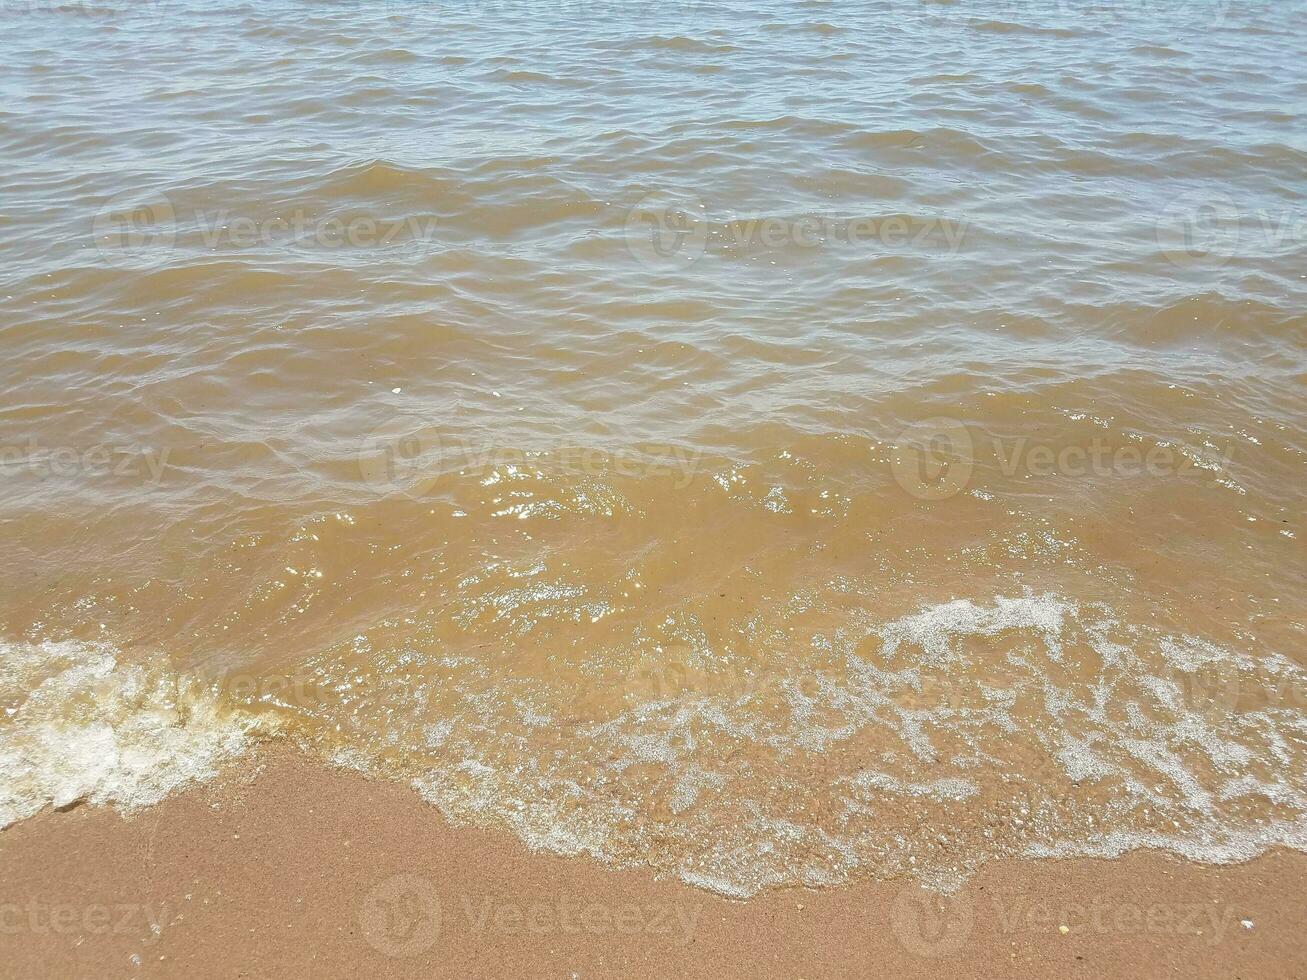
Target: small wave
column 940, row 142
column 83, row 726
column 524, row 77
column 1006, row 27
column 385, row 56
column 1058, row 730
column 680, row 42
column 1156, row 51
column 380, row 179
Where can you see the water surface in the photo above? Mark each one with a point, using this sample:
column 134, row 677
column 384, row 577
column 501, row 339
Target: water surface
column 768, row 442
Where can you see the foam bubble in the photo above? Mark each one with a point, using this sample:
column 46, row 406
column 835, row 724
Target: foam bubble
column 83, row 726
column 933, row 628
column 921, row 746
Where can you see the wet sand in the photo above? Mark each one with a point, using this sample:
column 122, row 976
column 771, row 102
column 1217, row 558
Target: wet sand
column 283, row 867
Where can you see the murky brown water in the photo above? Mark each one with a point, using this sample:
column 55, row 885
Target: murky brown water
column 770, row 442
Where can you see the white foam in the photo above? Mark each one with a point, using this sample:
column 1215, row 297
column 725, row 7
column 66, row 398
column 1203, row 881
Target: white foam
column 1206, row 845
column 85, row 727
column 933, row 628
column 947, row 788
column 799, row 780
column 1080, row 761
column 1161, row 767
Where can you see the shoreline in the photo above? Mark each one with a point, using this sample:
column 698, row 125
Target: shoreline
column 285, row 866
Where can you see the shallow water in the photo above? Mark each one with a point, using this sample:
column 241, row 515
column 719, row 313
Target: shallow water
column 768, row 442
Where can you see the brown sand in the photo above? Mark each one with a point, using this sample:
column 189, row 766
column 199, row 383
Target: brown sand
column 288, row 868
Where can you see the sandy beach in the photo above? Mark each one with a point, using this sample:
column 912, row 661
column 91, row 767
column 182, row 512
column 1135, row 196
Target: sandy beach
column 284, row 867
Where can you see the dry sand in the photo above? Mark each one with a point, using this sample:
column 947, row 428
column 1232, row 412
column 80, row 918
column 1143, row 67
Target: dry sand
column 286, row 868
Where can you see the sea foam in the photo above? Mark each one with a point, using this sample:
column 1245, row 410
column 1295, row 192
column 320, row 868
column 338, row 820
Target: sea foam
column 81, row 725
